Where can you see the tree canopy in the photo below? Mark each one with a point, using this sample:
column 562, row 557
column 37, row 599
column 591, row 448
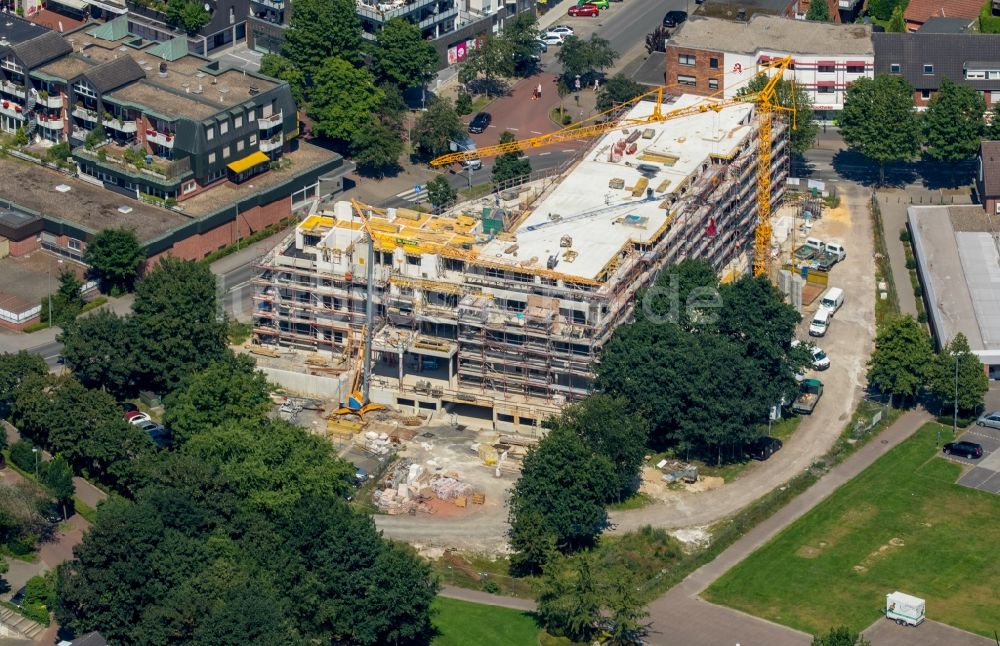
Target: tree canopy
column 343, row 98
column 100, row 349
column 879, row 120
column 440, row 193
column 15, row 368
column 319, row 29
column 972, row 381
column 436, row 126
column 510, row 165
column 953, row 123
column 818, row 10
column 281, row 67
column 901, row 358
column 897, row 24
column 115, row 256
column 580, row 57
column 617, row 89
column 401, row 56
column 802, row 136
column 492, row 58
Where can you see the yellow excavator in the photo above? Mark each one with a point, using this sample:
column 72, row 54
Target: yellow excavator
column 767, row 104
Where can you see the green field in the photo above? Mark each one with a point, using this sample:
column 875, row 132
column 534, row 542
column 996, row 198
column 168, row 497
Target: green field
column 460, row 623
column 902, row 524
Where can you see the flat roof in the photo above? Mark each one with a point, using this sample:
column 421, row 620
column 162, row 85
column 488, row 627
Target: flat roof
column 18, row 30
column 91, row 207
column 763, row 32
column 67, row 67
column 678, row 148
column 958, row 258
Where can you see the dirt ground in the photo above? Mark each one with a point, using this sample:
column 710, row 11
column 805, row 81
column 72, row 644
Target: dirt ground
column 29, row 277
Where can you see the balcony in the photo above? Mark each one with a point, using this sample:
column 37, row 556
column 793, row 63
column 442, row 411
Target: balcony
column 85, row 114
column 54, row 102
column 151, row 170
column 398, row 10
column 437, row 18
column 11, row 110
column 277, row 5
column 10, row 88
column 165, row 139
column 51, row 124
column 127, row 127
column 272, row 144
column 266, row 123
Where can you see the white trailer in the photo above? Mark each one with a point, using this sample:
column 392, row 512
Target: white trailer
column 904, row 609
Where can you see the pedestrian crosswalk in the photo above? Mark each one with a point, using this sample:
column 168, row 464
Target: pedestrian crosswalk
column 414, row 195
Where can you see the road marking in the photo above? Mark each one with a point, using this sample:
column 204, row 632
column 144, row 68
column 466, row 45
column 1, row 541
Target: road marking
column 512, row 129
column 543, row 154
column 568, row 150
column 413, row 196
column 535, row 132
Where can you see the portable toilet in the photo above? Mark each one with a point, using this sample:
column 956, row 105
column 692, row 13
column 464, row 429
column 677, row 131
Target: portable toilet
column 904, row 609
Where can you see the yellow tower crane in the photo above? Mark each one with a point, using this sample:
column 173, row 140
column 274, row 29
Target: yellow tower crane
column 767, row 104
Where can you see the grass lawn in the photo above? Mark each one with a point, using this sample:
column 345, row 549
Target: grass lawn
column 461, row 623
column 902, row 524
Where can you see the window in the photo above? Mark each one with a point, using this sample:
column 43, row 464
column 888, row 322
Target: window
column 189, row 186
column 895, row 68
column 686, row 59
column 925, row 94
column 223, row 127
column 855, row 69
column 210, row 133
column 238, row 121
column 211, row 158
column 687, row 80
column 972, row 75
column 713, row 84
column 73, row 244
column 232, row 16
column 251, row 116
column 826, row 68
column 225, row 152
column 239, row 146
column 713, row 63
column 993, row 75
column 928, row 68
column 253, row 140
column 824, row 89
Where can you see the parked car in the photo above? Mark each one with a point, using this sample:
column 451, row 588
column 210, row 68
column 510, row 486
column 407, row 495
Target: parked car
column 360, row 476
column 128, row 407
column 964, row 449
column 480, row 122
column 148, row 426
column 674, row 18
column 820, row 361
column 18, row 597
column 132, row 413
column 763, row 447
column 141, row 418
column 820, row 322
column 552, row 39
column 562, row 30
column 989, row 419
column 161, row 437
column 585, row 10
column 540, row 45
column 600, row 4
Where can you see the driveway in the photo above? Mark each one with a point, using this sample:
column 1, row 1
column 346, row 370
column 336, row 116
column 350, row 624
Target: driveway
column 985, row 472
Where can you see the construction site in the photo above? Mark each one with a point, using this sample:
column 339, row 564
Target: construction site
column 496, row 310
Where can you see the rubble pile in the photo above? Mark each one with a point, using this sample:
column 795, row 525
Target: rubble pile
column 407, row 488
column 377, row 443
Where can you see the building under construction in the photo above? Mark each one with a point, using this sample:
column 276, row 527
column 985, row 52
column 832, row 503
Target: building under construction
column 500, row 309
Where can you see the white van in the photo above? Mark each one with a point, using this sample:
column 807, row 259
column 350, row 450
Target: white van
column 820, row 322
column 832, row 299
column 815, row 243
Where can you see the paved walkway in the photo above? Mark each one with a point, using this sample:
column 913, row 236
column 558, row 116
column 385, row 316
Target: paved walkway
column 485, row 598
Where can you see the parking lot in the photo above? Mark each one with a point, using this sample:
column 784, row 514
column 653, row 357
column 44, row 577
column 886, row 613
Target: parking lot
column 985, row 472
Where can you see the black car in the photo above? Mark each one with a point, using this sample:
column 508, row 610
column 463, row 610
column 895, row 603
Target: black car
column 674, row 18
column 965, row 449
column 480, row 122
column 763, row 447
column 18, row 597
column 128, row 407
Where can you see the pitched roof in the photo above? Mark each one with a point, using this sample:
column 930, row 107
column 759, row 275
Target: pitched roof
column 112, row 30
column 948, row 53
column 921, row 10
column 990, row 152
column 170, row 50
column 939, row 25
column 41, row 49
column 90, row 639
column 114, row 74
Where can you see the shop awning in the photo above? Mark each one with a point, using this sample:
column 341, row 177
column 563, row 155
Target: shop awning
column 248, row 162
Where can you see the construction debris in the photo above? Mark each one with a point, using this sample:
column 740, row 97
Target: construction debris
column 407, row 488
column 674, row 471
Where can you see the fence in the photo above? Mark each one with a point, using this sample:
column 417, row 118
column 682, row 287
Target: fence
column 882, row 255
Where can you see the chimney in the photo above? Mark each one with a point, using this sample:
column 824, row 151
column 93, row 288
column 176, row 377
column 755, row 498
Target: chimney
column 163, row 70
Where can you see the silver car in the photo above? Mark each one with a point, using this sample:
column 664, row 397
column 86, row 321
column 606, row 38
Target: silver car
column 989, row 419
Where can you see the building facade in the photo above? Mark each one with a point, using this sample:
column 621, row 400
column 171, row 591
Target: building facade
column 924, row 59
column 711, row 56
column 507, row 307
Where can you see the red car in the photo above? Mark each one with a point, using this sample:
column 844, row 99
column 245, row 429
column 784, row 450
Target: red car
column 132, row 413
column 586, row 10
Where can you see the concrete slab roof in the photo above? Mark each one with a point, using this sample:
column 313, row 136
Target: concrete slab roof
column 614, row 219
column 775, row 34
column 959, row 261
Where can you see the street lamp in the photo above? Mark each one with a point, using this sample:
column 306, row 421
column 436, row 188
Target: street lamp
column 954, row 420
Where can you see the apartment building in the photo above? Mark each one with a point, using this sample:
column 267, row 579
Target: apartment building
column 451, row 25
column 505, row 308
column 924, row 59
column 711, row 56
column 141, row 117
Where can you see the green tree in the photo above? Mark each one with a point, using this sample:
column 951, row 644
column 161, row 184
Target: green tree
column 67, row 302
column 100, row 350
column 536, row 545
column 818, row 11
column 625, row 612
column 971, row 376
column 953, row 123
column 840, row 636
column 882, row 9
column 176, row 322
column 229, row 390
column 564, row 483
column 440, row 193
column 22, row 454
column 115, row 256
column 282, row 68
column 879, row 120
column 617, row 89
column 510, row 165
column 802, row 136
column 186, row 15
column 377, row 146
column 401, row 56
column 569, row 602
column 492, row 59
column 902, row 355
column 343, row 99
column 319, row 29
column 21, row 137
column 521, row 34
column 612, row 429
column 14, row 368
column 463, row 103
column 896, row 23
column 436, row 126
column 580, row 57
column 992, row 130
column 59, row 481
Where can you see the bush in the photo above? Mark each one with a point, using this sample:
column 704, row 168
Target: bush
column 918, row 291
column 911, row 264
column 567, row 119
column 36, row 612
column 904, row 235
column 463, row 103
column 988, row 23
column 34, row 327
column 963, row 422
column 921, row 316
column 58, row 153
column 23, row 455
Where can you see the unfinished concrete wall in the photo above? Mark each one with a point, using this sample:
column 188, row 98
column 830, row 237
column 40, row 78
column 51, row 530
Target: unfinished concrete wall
column 298, row 383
